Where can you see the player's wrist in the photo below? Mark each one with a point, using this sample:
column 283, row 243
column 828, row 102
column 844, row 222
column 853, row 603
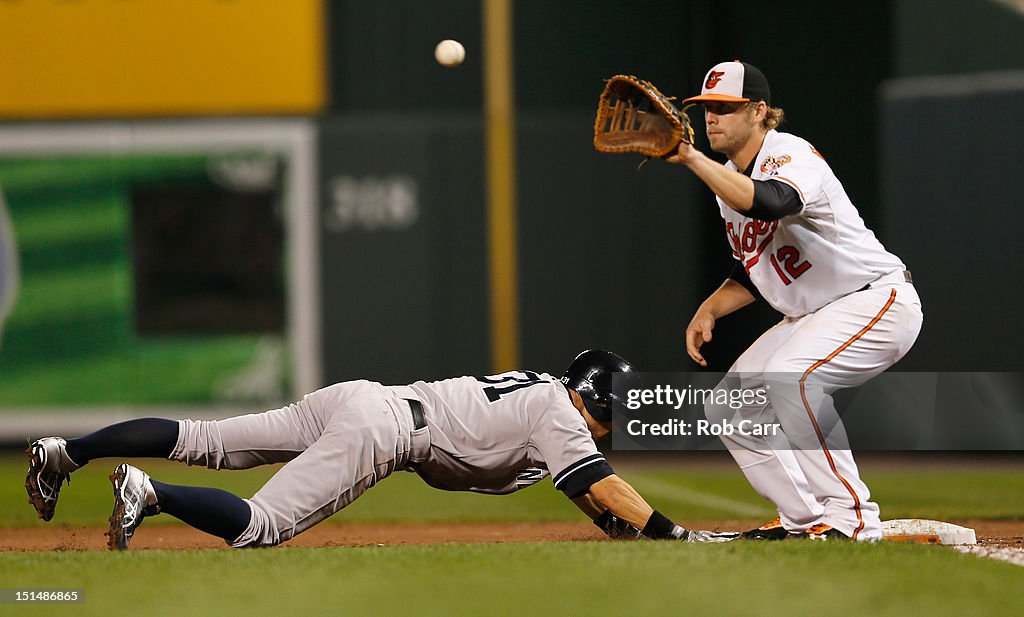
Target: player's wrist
column 705, row 311
column 691, row 158
column 660, row 527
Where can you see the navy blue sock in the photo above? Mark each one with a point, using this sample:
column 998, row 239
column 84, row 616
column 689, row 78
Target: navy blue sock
column 145, row 437
column 212, row 510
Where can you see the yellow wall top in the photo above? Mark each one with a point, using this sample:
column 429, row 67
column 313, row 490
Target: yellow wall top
column 73, row 58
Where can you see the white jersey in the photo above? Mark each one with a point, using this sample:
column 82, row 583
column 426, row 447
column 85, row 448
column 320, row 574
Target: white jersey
column 806, row 260
column 501, row 433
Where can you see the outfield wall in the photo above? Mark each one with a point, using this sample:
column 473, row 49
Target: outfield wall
column 74, row 339
column 385, row 265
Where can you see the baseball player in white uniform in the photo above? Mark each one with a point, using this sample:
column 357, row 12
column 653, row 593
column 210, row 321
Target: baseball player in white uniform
column 493, row 434
column 850, row 310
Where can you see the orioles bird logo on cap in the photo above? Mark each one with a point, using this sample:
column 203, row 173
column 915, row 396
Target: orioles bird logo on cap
column 713, row 78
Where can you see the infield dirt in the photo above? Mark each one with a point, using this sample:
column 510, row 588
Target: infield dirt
column 180, row 537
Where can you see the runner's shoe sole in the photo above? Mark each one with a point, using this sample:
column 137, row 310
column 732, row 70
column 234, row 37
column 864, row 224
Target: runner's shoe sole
column 39, row 483
column 130, row 510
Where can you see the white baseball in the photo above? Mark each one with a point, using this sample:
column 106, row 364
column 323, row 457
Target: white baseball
column 449, row 53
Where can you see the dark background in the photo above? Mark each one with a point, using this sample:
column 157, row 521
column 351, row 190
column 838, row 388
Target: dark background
column 616, row 258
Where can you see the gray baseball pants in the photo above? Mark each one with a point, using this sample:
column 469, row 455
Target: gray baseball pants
column 336, row 442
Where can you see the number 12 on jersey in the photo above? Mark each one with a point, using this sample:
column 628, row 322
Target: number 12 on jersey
column 788, row 258
column 506, row 383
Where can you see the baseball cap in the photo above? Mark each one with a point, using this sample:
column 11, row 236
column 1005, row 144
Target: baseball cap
column 733, row 82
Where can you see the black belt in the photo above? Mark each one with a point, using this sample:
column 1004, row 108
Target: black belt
column 418, row 419
column 906, row 277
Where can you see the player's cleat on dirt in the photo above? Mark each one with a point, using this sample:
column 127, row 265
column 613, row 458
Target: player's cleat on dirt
column 772, row 530
column 48, row 468
column 134, row 499
column 821, row 531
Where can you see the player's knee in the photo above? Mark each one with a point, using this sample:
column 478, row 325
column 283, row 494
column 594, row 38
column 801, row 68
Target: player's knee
column 199, row 443
column 262, row 531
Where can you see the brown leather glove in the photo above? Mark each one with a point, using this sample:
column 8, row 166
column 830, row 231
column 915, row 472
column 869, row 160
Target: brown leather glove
column 633, row 116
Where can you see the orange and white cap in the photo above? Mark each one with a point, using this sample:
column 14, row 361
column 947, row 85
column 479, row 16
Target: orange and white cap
column 733, row 82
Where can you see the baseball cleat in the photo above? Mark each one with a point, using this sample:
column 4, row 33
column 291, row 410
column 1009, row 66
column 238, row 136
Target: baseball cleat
column 821, row 532
column 700, row 535
column 48, row 468
column 772, row 530
column 134, row 499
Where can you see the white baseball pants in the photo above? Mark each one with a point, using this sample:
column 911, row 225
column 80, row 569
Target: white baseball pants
column 809, row 472
column 336, row 442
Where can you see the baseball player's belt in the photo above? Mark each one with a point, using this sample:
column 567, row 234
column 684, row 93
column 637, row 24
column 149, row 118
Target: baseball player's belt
column 900, row 276
column 418, row 419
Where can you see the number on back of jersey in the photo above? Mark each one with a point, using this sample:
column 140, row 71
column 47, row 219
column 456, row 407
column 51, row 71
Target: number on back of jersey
column 507, row 383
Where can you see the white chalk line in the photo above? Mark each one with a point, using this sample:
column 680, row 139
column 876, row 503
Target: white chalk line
column 1007, row 554
column 666, row 490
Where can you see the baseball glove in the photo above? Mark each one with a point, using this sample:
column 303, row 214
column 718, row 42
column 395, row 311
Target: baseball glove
column 633, row 116
column 616, row 528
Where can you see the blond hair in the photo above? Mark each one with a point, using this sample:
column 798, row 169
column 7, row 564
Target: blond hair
column 773, row 116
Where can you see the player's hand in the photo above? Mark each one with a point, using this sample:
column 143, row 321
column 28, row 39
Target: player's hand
column 701, row 535
column 616, row 528
column 684, row 153
column 698, row 333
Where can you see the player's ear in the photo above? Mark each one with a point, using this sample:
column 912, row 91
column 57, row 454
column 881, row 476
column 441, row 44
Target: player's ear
column 599, row 429
column 577, row 402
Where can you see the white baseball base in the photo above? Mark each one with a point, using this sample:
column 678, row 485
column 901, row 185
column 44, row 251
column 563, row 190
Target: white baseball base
column 922, row 531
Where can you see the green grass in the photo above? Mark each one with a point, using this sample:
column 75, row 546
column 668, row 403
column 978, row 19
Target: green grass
column 401, row 497
column 575, row 578
column 933, row 493
column 996, row 493
column 943, row 494
column 583, row 578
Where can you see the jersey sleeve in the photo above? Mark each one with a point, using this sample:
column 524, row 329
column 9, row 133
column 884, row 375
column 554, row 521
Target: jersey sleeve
column 773, row 201
column 796, row 163
column 563, row 441
column 739, row 274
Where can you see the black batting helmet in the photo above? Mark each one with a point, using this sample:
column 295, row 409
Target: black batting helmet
column 590, row 374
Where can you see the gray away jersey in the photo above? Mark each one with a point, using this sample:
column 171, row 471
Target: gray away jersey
column 504, row 432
